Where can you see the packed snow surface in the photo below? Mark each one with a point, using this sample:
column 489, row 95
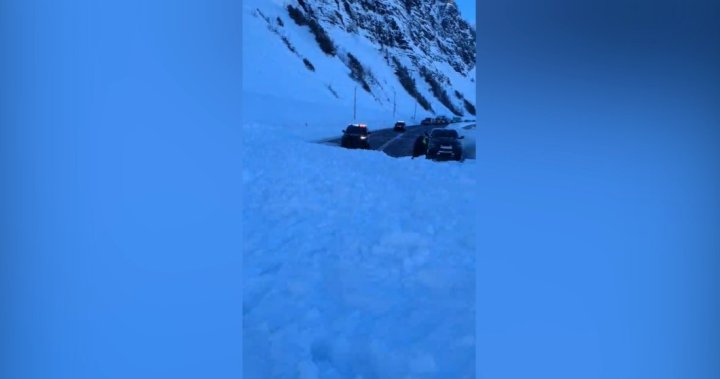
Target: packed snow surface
column 356, row 264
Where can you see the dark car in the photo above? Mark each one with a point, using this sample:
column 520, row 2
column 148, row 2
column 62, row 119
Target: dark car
column 427, row 121
column 399, row 126
column 355, row 136
column 442, row 120
column 443, row 144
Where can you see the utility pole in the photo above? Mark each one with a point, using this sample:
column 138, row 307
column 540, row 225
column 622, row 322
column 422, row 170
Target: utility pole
column 415, row 112
column 355, row 104
column 394, row 102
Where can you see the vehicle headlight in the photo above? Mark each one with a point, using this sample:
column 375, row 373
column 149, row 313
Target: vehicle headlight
column 363, row 137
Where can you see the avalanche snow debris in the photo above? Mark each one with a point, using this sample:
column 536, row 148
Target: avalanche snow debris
column 384, row 289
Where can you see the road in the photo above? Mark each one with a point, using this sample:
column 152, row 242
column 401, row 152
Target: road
column 397, row 144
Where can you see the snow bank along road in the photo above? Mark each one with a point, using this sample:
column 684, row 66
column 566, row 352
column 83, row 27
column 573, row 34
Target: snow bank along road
column 396, row 144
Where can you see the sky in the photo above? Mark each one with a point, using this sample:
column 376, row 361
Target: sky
column 467, row 9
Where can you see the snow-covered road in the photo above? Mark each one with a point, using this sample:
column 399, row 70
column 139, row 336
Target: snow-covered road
column 399, row 145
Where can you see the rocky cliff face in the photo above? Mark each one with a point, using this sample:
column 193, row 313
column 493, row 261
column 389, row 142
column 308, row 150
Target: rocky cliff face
column 425, row 45
column 425, row 31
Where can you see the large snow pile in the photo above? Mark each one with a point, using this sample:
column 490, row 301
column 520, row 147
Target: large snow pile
column 356, row 265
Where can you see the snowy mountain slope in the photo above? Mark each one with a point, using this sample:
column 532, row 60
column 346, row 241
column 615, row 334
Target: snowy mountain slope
column 356, row 265
column 285, row 65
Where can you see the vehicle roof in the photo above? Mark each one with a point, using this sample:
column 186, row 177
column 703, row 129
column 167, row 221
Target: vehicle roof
column 356, row 129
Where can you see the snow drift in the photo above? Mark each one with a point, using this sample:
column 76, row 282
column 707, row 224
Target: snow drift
column 356, row 265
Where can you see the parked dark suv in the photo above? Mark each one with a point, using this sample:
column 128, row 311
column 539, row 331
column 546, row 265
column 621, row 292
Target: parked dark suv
column 355, row 136
column 443, row 144
column 427, row 121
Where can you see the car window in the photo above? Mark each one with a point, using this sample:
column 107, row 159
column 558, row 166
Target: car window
column 356, row 130
column 444, row 133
